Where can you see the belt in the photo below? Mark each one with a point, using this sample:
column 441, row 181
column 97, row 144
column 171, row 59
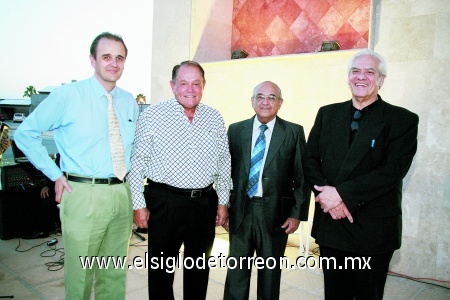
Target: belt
column 255, row 199
column 91, row 180
column 191, row 193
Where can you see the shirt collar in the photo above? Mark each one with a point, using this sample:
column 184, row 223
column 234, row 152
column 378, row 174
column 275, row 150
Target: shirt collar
column 174, row 103
column 257, row 123
column 99, row 90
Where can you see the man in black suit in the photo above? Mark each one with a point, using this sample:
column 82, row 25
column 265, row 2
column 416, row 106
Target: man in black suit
column 269, row 197
column 358, row 153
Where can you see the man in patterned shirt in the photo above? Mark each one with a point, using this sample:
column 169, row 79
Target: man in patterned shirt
column 181, row 148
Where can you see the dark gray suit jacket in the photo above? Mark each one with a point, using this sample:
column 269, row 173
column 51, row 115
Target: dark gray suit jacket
column 285, row 194
column 367, row 175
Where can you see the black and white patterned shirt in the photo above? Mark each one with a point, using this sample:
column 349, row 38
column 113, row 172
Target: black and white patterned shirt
column 169, row 149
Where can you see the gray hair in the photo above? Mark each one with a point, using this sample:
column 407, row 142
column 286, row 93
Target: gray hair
column 257, row 87
column 382, row 66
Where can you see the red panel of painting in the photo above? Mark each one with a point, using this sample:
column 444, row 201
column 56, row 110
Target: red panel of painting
column 275, row 27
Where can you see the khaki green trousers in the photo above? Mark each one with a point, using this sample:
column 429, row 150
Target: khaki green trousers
column 96, row 221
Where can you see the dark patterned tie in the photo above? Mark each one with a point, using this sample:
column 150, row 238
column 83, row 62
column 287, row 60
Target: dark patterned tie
column 256, row 162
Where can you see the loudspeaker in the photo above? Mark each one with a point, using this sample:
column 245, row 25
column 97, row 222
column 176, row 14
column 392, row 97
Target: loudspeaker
column 22, row 211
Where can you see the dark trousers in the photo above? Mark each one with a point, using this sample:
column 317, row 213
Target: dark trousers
column 177, row 219
column 358, row 277
column 251, row 236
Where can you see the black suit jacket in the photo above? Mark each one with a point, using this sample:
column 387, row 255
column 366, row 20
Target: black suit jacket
column 284, row 192
column 367, row 175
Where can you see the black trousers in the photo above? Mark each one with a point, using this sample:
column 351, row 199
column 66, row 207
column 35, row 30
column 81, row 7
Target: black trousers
column 177, row 219
column 354, row 276
column 252, row 236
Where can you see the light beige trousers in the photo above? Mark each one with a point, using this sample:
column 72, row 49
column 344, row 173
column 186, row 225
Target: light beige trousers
column 96, row 221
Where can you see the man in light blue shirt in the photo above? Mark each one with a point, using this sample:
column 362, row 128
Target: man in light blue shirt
column 96, row 212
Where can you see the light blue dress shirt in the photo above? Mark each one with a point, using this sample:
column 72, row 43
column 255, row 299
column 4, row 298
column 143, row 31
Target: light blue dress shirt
column 77, row 115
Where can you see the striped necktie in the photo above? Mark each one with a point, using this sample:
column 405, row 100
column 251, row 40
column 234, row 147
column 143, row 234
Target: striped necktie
column 256, row 162
column 115, row 142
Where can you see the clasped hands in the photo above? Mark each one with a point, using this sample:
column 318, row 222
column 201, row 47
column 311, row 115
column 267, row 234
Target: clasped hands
column 331, row 202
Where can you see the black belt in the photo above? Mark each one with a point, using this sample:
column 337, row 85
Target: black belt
column 91, row 180
column 191, row 193
column 255, row 199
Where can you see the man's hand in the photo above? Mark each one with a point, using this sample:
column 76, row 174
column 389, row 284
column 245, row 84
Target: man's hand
column 141, row 217
column 222, row 215
column 328, row 198
column 340, row 212
column 226, row 225
column 5, row 144
column 44, row 192
column 61, row 184
column 291, row 225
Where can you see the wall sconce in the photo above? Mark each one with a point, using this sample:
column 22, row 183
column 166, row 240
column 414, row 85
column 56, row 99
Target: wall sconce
column 330, row 46
column 238, row 54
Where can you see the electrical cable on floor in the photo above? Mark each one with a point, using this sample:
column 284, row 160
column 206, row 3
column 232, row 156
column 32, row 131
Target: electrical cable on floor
column 57, row 265
column 316, row 251
column 17, row 248
column 421, row 280
column 51, row 266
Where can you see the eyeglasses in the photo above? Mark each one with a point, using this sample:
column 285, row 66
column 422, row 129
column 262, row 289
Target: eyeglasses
column 271, row 98
column 355, row 124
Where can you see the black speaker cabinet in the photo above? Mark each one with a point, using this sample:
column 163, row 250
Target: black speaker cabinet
column 22, row 211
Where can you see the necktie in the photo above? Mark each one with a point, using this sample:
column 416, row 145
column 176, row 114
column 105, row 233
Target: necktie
column 256, row 162
column 115, row 142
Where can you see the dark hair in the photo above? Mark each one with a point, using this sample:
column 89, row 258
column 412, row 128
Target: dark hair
column 189, row 63
column 106, row 35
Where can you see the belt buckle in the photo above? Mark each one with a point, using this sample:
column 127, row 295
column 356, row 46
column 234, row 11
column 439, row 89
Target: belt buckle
column 196, row 193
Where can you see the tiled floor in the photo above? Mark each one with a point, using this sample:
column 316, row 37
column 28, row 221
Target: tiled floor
column 27, row 275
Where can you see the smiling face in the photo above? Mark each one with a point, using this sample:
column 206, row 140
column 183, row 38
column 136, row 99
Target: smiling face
column 109, row 62
column 188, row 86
column 270, row 101
column 365, row 80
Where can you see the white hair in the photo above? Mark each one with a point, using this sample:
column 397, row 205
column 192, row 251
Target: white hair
column 382, row 67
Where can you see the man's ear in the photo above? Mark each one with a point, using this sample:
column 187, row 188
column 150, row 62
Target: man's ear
column 92, row 59
column 381, row 82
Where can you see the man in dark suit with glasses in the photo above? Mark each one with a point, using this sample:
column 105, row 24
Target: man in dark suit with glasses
column 269, row 197
column 358, row 153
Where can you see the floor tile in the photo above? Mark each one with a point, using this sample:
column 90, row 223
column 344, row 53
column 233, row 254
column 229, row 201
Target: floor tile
column 26, row 276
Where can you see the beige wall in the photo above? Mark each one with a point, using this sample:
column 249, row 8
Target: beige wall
column 211, row 30
column 412, row 35
column 170, row 43
column 187, row 29
column 307, row 81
